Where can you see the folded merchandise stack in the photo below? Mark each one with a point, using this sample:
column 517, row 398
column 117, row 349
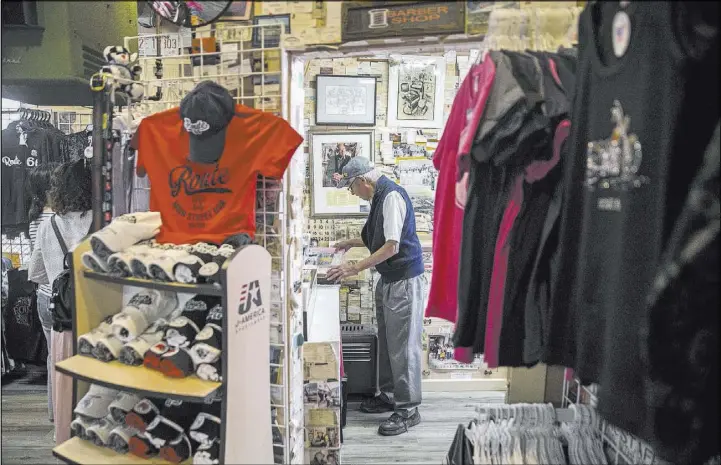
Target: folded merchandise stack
column 192, row 342
column 172, row 430
column 101, row 418
column 152, row 330
column 176, row 430
column 125, row 248
column 146, row 314
column 137, row 326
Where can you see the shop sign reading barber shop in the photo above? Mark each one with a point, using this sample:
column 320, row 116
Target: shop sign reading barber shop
column 398, row 19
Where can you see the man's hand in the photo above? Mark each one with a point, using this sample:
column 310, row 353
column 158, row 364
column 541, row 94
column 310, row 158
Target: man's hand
column 338, row 273
column 344, row 246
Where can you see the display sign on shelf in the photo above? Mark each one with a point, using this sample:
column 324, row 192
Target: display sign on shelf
column 248, row 322
column 168, row 45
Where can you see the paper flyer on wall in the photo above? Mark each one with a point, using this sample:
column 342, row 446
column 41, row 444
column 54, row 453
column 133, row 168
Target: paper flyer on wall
column 417, row 175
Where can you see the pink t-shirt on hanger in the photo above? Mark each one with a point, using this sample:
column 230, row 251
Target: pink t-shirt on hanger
column 465, row 114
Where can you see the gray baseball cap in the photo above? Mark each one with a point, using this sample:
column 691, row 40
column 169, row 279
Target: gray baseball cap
column 357, row 166
column 206, row 112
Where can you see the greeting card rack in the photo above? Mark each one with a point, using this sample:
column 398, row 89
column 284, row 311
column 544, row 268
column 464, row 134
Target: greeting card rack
column 246, row 431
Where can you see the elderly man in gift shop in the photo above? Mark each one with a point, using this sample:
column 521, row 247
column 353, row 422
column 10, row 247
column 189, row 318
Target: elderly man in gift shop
column 390, row 235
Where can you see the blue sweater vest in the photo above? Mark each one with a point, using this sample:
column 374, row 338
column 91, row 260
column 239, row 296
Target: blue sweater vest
column 408, row 262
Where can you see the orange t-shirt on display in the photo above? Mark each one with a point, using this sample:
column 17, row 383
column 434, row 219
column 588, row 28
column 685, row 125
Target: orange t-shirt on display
column 209, row 202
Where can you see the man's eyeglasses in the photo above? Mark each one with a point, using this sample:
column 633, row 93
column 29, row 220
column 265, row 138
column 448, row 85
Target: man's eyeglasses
column 350, row 186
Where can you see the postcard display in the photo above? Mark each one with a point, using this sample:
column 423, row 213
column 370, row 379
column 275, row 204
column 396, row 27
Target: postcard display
column 322, row 402
column 403, row 140
column 262, row 420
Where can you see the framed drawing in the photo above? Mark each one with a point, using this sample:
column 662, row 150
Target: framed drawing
column 415, row 92
column 272, row 34
column 345, row 100
column 238, row 11
column 329, row 153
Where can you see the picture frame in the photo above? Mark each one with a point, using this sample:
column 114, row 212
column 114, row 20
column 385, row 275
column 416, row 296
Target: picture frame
column 345, row 100
column 271, row 40
column 238, row 11
column 325, row 149
column 416, row 85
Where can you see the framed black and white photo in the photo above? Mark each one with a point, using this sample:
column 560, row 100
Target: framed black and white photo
column 345, row 100
column 269, row 37
column 330, row 151
column 415, row 92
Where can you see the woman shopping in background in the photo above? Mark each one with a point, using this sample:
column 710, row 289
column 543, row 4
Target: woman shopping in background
column 70, row 199
column 39, row 194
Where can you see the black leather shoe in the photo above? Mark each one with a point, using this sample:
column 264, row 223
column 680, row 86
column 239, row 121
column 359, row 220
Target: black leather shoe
column 377, row 404
column 397, row 424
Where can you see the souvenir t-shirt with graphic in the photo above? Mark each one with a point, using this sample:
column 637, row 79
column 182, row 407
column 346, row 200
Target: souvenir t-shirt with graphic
column 209, row 202
column 632, row 151
column 17, row 161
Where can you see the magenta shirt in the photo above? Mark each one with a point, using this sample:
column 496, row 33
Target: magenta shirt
column 448, row 217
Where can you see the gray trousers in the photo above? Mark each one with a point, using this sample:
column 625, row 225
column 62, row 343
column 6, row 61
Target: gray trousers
column 46, row 320
column 399, row 313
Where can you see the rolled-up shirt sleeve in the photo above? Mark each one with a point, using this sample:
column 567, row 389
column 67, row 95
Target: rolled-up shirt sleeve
column 394, row 216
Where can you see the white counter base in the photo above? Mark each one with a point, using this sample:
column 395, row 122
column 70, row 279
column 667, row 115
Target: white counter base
column 458, row 385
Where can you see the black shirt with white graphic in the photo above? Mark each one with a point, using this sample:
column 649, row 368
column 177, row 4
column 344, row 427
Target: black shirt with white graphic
column 630, row 151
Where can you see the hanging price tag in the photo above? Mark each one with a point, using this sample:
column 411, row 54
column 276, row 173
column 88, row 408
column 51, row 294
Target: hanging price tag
column 168, row 44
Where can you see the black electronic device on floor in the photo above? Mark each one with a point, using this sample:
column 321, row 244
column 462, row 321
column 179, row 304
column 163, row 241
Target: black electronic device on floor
column 360, row 358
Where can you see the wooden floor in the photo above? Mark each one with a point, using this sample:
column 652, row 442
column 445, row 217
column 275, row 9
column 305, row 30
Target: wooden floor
column 428, row 442
column 27, row 435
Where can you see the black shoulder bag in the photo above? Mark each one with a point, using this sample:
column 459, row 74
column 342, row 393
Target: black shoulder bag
column 61, row 302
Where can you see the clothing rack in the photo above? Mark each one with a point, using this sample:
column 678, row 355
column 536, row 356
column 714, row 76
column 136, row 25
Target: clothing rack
column 561, row 415
column 623, row 446
column 30, row 113
column 529, row 433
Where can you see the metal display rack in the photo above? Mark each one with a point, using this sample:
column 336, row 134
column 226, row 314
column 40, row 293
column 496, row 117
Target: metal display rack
column 622, row 448
column 254, row 69
column 67, row 122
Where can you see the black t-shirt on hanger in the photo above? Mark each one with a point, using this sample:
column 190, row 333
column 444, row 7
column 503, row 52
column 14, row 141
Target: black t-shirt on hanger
column 17, row 161
column 624, row 163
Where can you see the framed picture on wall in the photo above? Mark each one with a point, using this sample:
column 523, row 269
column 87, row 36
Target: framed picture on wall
column 272, row 34
column 330, row 151
column 345, row 100
column 415, row 92
column 238, row 11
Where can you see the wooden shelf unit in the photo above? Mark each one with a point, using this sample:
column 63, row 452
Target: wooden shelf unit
column 203, row 289
column 78, row 451
column 246, row 433
column 137, row 379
